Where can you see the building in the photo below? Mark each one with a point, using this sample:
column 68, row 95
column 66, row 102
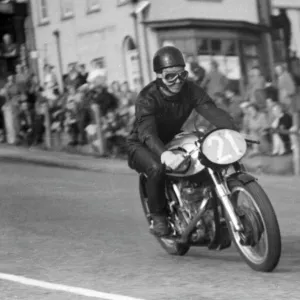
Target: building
column 234, row 32
column 292, row 8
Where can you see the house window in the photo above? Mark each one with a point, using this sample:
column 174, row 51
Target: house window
column 67, row 9
column 122, row 2
column 93, row 6
column 250, row 54
column 43, row 11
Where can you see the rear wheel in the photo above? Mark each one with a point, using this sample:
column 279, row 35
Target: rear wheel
column 260, row 246
column 169, row 244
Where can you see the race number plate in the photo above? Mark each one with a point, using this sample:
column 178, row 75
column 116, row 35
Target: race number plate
column 224, row 146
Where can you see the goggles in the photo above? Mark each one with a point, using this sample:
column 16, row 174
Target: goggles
column 171, row 77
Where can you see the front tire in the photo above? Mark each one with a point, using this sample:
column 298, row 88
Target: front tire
column 264, row 216
column 171, row 246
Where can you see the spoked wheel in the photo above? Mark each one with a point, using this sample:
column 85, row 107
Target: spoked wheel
column 169, row 244
column 260, row 243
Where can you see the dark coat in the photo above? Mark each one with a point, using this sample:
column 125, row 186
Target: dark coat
column 160, row 118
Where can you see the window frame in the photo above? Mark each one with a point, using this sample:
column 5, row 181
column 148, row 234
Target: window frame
column 65, row 15
column 92, row 8
column 122, row 2
column 43, row 20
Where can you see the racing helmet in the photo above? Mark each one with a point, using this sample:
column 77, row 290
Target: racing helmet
column 167, row 57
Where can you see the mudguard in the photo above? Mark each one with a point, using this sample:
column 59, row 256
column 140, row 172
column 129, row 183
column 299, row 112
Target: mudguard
column 242, row 177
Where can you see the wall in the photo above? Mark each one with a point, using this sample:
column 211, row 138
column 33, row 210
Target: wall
column 204, row 9
column 86, row 36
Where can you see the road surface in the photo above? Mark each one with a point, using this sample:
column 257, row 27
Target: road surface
column 78, row 229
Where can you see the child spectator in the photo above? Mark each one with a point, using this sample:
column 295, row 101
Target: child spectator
column 257, row 126
column 282, row 121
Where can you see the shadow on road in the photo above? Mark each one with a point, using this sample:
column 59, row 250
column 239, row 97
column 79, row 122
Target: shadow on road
column 289, row 262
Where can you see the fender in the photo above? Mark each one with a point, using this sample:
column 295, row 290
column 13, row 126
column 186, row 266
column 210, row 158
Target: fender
column 242, row 177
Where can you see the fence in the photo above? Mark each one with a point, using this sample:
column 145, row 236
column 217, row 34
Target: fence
column 54, row 140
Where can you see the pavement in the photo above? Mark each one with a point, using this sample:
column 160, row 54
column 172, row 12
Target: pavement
column 62, row 159
column 258, row 164
column 77, row 234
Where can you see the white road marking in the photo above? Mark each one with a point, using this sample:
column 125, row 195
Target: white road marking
column 64, row 288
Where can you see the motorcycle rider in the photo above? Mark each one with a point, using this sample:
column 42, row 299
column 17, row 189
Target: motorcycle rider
column 162, row 107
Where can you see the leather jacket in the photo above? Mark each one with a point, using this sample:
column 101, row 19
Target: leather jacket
column 159, row 118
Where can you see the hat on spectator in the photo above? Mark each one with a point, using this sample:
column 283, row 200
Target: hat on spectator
column 244, row 105
column 94, row 74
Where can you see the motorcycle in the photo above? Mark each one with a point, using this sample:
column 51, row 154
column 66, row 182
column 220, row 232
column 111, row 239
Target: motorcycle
column 205, row 200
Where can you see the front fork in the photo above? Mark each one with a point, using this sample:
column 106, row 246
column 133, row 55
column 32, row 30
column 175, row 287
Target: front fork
column 224, row 195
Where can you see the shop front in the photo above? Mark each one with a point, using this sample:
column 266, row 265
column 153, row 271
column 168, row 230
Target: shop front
column 236, row 46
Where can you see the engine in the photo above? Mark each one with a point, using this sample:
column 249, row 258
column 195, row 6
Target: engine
column 192, row 195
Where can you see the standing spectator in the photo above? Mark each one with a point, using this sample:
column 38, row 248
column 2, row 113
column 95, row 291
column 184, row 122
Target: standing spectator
column 214, row 82
column 221, row 101
column 21, row 79
column 84, row 117
column 83, row 73
column 234, row 106
column 96, row 71
column 2, row 123
column 255, row 93
column 282, row 121
column 127, row 97
column 286, row 87
column 269, row 109
column 257, row 129
column 26, row 120
column 9, row 49
column 71, row 125
column 197, row 73
column 50, row 81
column 32, row 90
column 100, row 95
column 10, row 109
column 39, row 118
column 115, row 89
column 73, row 78
column 271, row 91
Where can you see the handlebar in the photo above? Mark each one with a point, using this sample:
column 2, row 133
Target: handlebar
column 252, row 141
column 188, row 155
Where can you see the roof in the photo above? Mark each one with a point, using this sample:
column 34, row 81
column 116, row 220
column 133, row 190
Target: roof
column 205, row 23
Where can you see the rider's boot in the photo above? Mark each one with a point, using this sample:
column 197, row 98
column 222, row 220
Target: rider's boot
column 160, row 226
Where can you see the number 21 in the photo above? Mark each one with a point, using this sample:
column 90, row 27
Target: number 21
column 220, row 147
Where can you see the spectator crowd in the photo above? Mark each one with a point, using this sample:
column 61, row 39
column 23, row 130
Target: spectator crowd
column 26, row 106
column 263, row 112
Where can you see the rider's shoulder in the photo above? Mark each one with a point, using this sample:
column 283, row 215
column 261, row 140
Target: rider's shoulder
column 149, row 90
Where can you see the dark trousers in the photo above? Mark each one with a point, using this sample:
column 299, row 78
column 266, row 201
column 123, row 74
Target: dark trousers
column 144, row 161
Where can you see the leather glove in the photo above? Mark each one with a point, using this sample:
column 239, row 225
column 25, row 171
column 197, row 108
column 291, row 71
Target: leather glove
column 171, row 160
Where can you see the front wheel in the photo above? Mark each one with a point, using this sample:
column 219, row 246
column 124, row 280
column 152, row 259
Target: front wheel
column 260, row 245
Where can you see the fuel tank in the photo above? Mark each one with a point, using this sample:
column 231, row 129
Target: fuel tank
column 186, row 140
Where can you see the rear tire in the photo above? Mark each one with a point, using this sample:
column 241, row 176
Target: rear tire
column 171, row 246
column 271, row 228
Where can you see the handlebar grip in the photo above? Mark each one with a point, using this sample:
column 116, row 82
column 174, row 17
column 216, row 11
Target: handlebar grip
column 252, row 141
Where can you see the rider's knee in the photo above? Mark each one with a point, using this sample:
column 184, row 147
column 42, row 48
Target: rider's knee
column 155, row 171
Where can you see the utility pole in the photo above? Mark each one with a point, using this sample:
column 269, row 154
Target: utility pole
column 264, row 8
